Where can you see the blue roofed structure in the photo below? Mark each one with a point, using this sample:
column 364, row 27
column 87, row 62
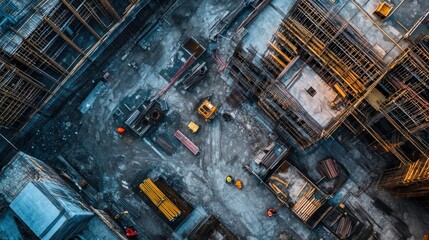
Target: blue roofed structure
column 41, row 200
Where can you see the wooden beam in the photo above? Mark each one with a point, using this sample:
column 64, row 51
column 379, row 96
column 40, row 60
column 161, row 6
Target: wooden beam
column 78, row 16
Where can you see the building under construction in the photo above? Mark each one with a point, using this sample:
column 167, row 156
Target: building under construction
column 386, row 100
column 47, row 45
column 111, row 94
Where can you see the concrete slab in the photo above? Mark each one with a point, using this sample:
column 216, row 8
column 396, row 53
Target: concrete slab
column 318, row 106
column 262, row 29
column 265, row 25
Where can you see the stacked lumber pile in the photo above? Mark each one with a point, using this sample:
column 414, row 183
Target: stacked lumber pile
column 165, row 145
column 328, row 168
column 162, row 202
column 307, row 205
column 282, row 183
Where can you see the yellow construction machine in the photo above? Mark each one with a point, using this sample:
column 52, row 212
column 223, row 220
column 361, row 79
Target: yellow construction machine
column 207, row 110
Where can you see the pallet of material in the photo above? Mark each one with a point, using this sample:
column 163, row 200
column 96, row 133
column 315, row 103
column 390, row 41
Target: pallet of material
column 272, row 158
column 164, row 145
column 188, row 143
column 328, row 168
column 184, row 206
column 175, row 198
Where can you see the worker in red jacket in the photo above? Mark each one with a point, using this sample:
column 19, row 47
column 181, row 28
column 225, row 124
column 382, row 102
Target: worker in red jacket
column 130, row 233
column 271, row 212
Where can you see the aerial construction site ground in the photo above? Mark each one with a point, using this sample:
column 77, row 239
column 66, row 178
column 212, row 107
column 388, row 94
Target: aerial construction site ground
column 114, row 164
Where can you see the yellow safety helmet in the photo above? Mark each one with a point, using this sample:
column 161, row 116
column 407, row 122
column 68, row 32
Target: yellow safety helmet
column 229, row 179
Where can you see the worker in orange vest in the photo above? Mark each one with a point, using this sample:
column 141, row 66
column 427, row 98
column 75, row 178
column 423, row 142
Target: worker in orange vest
column 120, row 130
column 238, row 184
column 271, row 212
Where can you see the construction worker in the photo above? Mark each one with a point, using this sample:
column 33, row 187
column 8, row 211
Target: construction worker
column 130, row 233
column 229, row 179
column 120, row 130
column 271, row 212
column 238, row 184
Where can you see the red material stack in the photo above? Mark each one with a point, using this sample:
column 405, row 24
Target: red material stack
column 328, row 168
column 188, row 144
column 344, row 227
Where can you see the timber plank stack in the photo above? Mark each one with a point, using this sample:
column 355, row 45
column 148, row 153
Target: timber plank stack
column 168, row 195
column 188, row 143
column 307, row 205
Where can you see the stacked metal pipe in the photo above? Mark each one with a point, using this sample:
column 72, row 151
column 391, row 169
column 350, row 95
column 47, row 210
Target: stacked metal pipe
column 164, row 204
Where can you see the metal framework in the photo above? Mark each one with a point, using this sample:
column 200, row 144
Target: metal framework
column 340, row 55
column 410, row 181
column 46, row 47
column 400, row 122
column 281, row 107
column 335, row 49
column 248, row 76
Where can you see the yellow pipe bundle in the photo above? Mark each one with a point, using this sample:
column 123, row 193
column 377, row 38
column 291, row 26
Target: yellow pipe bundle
column 164, row 204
